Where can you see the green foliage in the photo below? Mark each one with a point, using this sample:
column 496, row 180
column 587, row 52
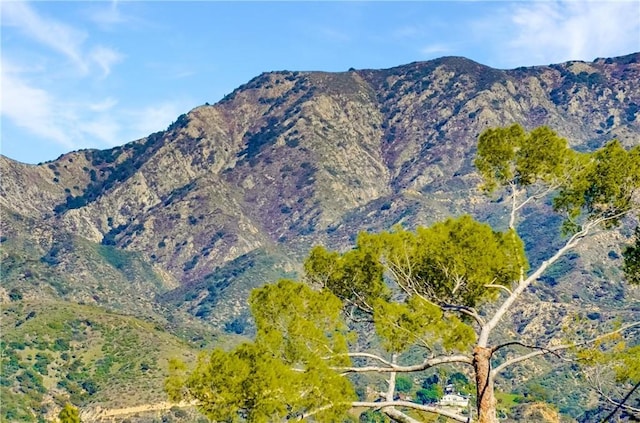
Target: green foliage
column 15, row 295
column 457, row 258
column 401, row 325
column 373, row 416
column 355, row 276
column 632, row 260
column 429, row 395
column 627, row 365
column 42, row 361
column 603, row 184
column 594, row 185
column 17, row 407
column 403, row 384
column 511, row 156
column 30, row 381
column 283, row 374
column 81, row 353
column 449, row 262
column 297, row 323
column 69, row 414
column 461, row 383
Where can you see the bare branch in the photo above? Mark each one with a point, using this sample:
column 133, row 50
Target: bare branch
column 412, row 405
column 364, row 306
column 468, row 311
column 350, row 314
column 426, row 364
column 524, row 284
column 620, row 405
column 514, row 198
column 388, row 407
column 369, row 355
column 313, row 412
column 553, row 349
column 398, row 416
column 493, row 285
column 541, row 193
column 392, row 379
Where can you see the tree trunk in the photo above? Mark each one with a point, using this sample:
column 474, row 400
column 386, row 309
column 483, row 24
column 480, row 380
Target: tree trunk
column 486, row 405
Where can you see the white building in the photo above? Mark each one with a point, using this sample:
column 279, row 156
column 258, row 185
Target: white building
column 454, row 400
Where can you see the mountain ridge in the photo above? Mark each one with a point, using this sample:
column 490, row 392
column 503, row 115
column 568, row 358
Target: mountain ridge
column 326, row 144
column 180, row 225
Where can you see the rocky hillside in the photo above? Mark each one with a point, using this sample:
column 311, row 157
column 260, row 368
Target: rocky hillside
column 186, row 221
column 291, row 159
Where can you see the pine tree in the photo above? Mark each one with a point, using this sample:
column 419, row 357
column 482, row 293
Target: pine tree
column 444, row 288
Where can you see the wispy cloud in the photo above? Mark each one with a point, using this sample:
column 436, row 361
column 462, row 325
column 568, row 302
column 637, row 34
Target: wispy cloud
column 435, row 49
column 62, row 38
column 156, row 117
column 62, row 121
column 105, row 58
column 32, row 108
column 74, row 124
column 104, row 105
column 41, row 100
column 547, row 32
column 106, row 129
column 108, row 17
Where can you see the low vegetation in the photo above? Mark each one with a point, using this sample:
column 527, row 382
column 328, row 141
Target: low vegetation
column 53, row 353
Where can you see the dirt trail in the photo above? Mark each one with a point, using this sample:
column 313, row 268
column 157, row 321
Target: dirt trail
column 99, row 414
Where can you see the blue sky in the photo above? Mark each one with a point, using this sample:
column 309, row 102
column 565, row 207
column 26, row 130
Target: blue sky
column 99, row 74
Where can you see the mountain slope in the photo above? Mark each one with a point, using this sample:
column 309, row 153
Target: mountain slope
column 296, row 158
column 186, row 221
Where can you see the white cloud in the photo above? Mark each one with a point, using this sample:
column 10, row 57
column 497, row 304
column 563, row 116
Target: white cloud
column 103, row 128
column 155, row 118
column 71, row 123
column 103, row 105
column 105, row 58
column 60, row 37
column 43, row 101
column 40, row 113
column 549, row 32
column 109, row 16
column 56, row 35
column 32, row 109
column 433, row 49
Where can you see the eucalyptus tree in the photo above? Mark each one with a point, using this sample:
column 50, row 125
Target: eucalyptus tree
column 444, row 288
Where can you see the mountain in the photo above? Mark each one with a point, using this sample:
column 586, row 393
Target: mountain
column 180, row 226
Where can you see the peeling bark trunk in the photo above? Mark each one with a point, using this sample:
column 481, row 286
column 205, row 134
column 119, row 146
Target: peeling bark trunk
column 486, row 405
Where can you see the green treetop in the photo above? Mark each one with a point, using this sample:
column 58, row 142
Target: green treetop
column 444, row 288
column 69, row 414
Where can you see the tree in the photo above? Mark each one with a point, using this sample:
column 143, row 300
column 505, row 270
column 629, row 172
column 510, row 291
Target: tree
column 69, row 414
column 403, row 384
column 429, row 395
column 611, row 369
column 632, row 260
column 444, row 289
